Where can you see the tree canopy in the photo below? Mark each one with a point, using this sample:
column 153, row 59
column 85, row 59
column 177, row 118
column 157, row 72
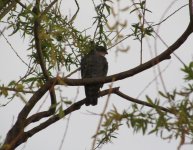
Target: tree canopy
column 55, row 45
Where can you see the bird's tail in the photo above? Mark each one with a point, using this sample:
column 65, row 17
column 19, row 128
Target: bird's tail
column 91, row 94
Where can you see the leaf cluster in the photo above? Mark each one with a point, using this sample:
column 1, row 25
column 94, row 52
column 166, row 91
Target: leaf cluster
column 62, row 44
column 139, row 29
column 175, row 123
column 103, row 11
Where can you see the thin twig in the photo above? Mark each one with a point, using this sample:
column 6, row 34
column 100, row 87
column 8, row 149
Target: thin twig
column 163, row 20
column 142, row 34
column 152, row 81
column 121, row 41
column 16, row 90
column 142, row 102
column 78, row 8
column 6, row 10
column 48, row 8
column 22, row 5
column 101, row 118
column 13, row 49
column 97, row 23
column 157, row 35
column 68, row 122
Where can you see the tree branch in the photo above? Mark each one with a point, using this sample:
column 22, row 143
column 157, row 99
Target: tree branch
column 7, row 7
column 33, row 100
column 40, row 53
column 142, row 102
column 16, row 90
column 37, row 21
column 22, row 136
column 77, row 106
column 48, row 8
column 119, row 76
column 191, row 10
column 78, row 8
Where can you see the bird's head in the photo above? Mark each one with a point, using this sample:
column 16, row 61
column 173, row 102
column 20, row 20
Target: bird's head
column 101, row 50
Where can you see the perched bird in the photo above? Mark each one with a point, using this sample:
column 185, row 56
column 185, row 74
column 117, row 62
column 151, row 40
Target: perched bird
column 94, row 64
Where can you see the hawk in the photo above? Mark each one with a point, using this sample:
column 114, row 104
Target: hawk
column 94, row 64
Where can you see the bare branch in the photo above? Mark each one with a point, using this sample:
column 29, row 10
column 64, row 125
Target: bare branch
column 141, row 102
column 33, row 100
column 102, row 117
column 191, row 10
column 78, row 8
column 170, row 15
column 1, row 33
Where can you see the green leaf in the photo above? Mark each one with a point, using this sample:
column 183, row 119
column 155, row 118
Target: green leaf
column 163, row 95
column 4, row 92
column 68, row 102
column 19, row 87
column 12, row 83
column 149, row 100
column 30, row 79
column 61, row 112
column 153, row 131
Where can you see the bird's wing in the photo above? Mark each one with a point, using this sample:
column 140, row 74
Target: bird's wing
column 105, row 67
column 83, row 67
column 93, row 65
column 88, row 66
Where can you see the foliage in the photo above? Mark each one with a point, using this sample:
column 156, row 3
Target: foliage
column 62, row 44
column 101, row 20
column 139, row 29
column 176, row 124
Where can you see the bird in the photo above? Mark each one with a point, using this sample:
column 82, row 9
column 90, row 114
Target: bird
column 93, row 65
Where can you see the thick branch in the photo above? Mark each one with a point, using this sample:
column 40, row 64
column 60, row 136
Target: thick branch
column 76, row 106
column 191, row 10
column 40, row 53
column 33, row 100
column 38, row 46
column 16, row 134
